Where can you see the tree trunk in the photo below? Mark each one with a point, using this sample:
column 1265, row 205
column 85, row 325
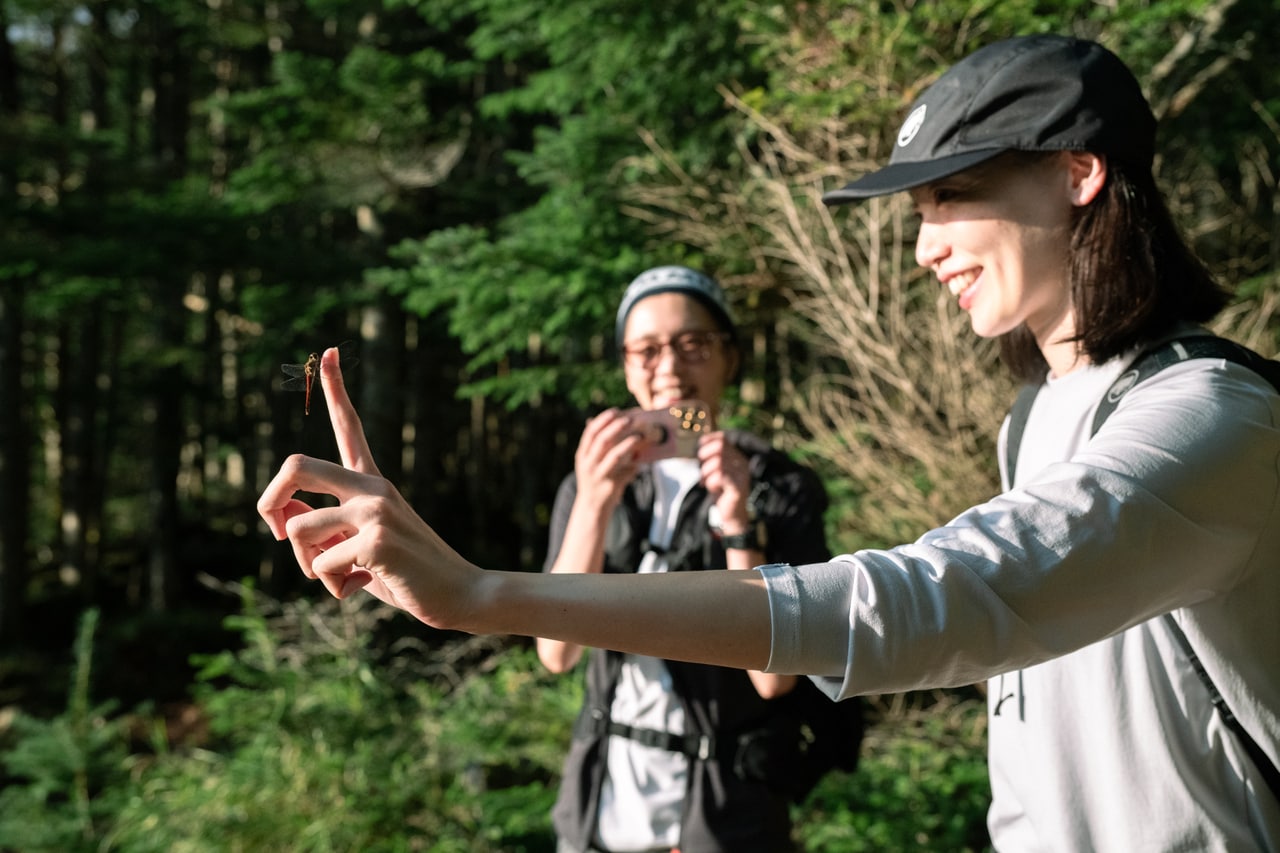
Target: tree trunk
column 381, row 383
column 436, row 417
column 164, row 415
column 78, row 419
column 15, row 458
column 171, row 81
column 10, row 99
column 15, row 465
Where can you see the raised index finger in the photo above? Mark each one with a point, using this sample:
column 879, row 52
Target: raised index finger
column 353, row 447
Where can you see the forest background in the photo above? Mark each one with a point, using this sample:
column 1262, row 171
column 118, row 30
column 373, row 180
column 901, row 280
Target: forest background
column 192, row 193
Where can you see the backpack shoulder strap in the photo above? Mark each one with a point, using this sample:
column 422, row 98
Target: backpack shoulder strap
column 1178, row 350
column 1018, row 415
column 1260, row 759
column 1144, row 366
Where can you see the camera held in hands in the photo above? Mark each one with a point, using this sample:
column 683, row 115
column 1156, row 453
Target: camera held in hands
column 673, row 430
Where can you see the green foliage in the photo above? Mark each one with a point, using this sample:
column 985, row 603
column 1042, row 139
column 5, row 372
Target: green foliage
column 494, row 297
column 921, row 785
column 318, row 737
column 608, row 75
column 234, row 169
column 66, row 775
column 319, row 743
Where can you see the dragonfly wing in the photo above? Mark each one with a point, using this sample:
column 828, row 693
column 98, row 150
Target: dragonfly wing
column 299, row 374
column 347, row 355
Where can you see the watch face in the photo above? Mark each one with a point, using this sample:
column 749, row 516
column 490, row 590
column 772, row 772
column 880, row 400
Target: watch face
column 713, row 519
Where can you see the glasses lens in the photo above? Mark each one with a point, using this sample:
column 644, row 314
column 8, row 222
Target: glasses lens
column 642, row 354
column 693, row 346
column 689, row 347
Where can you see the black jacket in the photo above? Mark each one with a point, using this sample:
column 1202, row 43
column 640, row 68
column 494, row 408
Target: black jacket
column 723, row 811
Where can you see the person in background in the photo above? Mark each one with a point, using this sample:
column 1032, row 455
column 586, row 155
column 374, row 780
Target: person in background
column 639, row 776
column 1030, row 166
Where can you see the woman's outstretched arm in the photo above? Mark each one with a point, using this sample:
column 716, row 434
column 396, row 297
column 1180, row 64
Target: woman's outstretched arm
column 374, row 540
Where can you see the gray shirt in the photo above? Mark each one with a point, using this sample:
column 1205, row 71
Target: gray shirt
column 1102, row 738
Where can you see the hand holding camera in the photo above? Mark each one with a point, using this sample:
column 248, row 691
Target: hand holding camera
column 672, row 431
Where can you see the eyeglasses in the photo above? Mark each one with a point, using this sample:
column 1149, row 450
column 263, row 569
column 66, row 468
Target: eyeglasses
column 688, row 347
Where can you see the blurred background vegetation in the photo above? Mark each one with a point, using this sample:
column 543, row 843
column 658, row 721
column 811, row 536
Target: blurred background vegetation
column 192, row 193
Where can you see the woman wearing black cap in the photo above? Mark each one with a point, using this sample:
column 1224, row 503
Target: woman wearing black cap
column 639, row 776
column 1120, row 597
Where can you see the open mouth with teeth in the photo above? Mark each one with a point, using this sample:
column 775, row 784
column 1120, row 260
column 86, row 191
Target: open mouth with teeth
column 961, row 286
column 957, row 283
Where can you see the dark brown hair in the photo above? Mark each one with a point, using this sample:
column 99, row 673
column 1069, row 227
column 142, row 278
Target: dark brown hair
column 1132, row 276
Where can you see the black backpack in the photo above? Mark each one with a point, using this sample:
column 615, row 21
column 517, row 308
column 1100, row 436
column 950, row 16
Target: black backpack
column 807, row 736
column 1143, row 367
column 802, row 736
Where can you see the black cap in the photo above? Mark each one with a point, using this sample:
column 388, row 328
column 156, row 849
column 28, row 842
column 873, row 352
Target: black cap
column 1030, row 93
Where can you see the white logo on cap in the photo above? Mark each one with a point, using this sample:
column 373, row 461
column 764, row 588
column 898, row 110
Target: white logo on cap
column 911, row 126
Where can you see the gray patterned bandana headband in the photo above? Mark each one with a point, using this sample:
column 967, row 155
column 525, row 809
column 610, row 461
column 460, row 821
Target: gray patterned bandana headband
column 675, row 279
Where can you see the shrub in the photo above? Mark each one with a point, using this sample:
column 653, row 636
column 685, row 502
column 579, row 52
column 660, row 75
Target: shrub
column 921, row 784
column 320, row 741
column 346, row 726
column 65, row 775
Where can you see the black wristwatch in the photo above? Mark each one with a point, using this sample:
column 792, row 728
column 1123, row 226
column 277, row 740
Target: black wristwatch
column 755, row 537
column 752, row 539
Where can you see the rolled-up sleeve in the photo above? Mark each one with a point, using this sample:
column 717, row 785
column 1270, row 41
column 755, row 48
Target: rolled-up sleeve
column 804, row 595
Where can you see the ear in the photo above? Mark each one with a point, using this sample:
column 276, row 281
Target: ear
column 1088, row 175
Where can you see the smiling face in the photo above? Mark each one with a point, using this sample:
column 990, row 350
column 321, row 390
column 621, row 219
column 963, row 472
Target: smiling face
column 687, row 357
column 998, row 236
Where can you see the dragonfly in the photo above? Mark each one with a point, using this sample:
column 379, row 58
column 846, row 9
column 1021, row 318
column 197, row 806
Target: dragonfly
column 302, row 376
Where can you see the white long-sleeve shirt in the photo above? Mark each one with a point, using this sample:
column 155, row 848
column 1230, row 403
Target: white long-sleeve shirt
column 1102, row 737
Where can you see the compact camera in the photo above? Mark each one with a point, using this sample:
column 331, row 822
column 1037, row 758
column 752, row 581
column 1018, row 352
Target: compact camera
column 673, row 430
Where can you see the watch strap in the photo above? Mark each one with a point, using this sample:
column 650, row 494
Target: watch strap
column 748, row 540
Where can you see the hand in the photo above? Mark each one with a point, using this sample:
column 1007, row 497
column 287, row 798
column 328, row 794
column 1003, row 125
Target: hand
column 726, row 473
column 605, row 461
column 373, row 538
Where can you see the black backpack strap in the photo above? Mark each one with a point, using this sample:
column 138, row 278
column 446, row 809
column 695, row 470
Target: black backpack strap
column 1018, row 415
column 1260, row 759
column 1144, row 366
column 599, row 723
column 1178, row 350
